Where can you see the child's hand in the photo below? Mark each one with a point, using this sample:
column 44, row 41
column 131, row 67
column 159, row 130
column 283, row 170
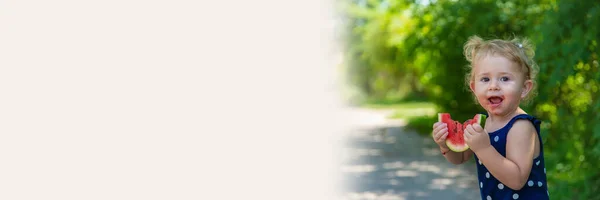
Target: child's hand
column 476, row 137
column 440, row 132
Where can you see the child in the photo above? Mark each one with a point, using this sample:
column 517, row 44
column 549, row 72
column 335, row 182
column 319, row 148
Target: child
column 508, row 152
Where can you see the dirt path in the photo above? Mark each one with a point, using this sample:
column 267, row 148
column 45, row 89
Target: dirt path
column 383, row 160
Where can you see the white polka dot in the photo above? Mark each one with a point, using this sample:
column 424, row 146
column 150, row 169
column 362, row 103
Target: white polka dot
column 530, row 183
column 489, row 198
column 496, row 138
column 547, row 192
column 481, row 184
column 515, row 196
column 487, row 175
column 544, row 170
column 539, row 184
column 537, row 163
column 479, row 162
column 500, row 186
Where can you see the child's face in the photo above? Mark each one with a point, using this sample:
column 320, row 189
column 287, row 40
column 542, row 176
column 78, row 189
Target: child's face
column 499, row 85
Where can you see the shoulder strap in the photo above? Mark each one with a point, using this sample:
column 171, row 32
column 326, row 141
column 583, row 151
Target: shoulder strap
column 536, row 123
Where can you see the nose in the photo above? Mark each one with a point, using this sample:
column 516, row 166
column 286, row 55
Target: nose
column 493, row 85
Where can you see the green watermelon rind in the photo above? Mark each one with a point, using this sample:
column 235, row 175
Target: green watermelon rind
column 461, row 148
column 456, row 147
column 482, row 119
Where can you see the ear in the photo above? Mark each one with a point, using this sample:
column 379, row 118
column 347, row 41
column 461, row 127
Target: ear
column 527, row 86
column 472, row 85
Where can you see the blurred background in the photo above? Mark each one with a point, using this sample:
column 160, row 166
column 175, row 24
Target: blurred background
column 403, row 63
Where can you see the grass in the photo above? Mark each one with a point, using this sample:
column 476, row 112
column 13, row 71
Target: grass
column 402, row 106
column 422, row 125
column 406, row 110
column 420, row 116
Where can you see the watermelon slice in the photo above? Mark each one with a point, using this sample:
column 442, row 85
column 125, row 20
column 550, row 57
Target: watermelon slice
column 455, row 140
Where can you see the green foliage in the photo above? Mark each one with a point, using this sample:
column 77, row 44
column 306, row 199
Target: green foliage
column 568, row 59
column 406, row 49
column 422, row 124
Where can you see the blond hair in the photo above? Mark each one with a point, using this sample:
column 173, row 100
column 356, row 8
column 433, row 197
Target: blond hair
column 517, row 50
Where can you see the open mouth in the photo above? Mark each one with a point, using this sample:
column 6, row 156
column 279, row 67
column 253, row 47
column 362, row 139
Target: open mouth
column 495, row 100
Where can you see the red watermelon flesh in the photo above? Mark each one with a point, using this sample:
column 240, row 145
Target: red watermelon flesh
column 455, row 140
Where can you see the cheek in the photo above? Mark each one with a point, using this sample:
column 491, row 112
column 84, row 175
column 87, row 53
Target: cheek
column 513, row 92
column 480, row 88
column 481, row 95
column 513, row 88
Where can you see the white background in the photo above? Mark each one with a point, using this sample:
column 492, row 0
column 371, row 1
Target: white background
column 168, row 100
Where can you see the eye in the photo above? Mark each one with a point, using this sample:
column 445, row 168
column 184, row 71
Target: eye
column 504, row 78
column 485, row 79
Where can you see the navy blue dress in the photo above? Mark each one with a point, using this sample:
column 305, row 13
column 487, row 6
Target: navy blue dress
column 534, row 188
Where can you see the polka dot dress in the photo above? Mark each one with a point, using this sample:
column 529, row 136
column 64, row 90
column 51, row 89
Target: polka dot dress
column 535, row 187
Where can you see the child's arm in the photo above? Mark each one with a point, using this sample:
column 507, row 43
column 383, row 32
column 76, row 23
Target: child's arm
column 513, row 170
column 457, row 158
